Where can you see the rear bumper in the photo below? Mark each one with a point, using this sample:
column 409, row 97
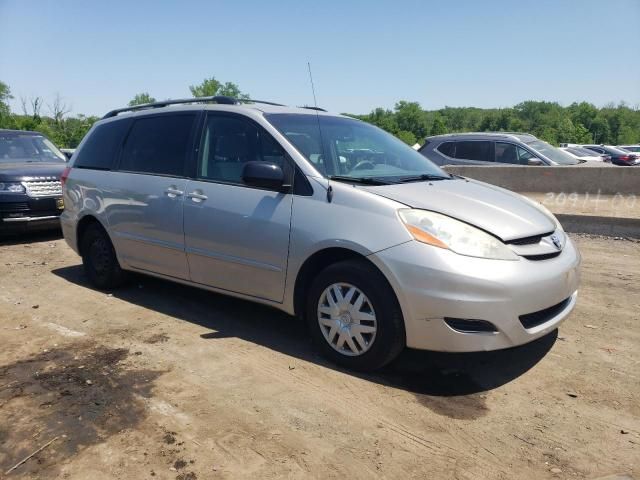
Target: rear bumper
column 433, row 284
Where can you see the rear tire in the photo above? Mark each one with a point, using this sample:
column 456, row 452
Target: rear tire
column 364, row 329
column 99, row 259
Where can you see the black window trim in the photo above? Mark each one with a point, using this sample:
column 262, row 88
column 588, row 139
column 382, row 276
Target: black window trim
column 296, row 174
column 190, row 143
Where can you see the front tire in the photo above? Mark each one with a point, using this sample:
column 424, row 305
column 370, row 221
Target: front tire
column 99, row 259
column 354, row 317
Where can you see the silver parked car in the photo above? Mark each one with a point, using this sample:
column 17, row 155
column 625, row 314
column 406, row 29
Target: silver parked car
column 322, row 216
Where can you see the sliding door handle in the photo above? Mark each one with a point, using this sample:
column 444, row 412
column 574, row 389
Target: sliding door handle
column 173, row 192
column 197, row 196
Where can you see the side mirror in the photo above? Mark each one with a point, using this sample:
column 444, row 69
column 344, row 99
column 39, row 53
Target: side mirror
column 264, row 175
column 535, row 162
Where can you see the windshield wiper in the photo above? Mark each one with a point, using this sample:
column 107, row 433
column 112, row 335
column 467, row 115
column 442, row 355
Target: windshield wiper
column 363, row 180
column 424, row 177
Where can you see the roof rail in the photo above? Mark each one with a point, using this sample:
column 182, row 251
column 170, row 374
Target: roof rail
column 314, row 108
column 220, row 99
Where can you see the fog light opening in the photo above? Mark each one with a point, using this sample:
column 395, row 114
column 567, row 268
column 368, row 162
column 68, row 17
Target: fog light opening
column 465, row 325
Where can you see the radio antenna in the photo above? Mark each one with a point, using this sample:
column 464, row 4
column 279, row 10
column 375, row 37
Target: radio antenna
column 315, row 104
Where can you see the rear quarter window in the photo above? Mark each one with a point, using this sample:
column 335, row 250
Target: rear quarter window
column 448, row 149
column 103, row 144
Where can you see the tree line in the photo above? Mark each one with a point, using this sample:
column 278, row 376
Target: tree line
column 577, row 123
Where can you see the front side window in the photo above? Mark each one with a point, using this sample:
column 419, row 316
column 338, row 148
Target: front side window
column 474, row 150
column 345, row 147
column 28, row 149
column 229, row 143
column 512, row 154
column 158, row 145
column 506, row 153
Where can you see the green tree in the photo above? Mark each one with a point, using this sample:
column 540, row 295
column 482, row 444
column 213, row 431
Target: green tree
column 411, row 118
column 438, row 127
column 211, row 87
column 5, row 111
column 141, row 98
column 407, row 137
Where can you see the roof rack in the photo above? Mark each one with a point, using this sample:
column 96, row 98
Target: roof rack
column 220, row 99
column 314, row 108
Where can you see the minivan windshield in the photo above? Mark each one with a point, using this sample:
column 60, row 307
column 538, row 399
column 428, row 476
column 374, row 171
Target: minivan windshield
column 28, row 149
column 552, row 153
column 345, row 148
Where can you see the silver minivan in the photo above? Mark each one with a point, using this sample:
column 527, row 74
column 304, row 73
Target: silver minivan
column 319, row 215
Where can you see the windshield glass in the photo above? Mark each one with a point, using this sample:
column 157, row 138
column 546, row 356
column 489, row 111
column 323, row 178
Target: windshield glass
column 552, row 153
column 28, row 148
column 632, row 148
column 346, row 147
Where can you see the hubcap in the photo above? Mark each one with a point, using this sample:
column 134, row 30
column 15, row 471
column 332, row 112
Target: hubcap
column 347, row 319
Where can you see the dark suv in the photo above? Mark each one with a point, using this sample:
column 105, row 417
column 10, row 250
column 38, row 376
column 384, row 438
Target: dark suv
column 491, row 148
column 30, row 189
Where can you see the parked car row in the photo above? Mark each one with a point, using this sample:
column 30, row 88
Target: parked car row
column 621, row 155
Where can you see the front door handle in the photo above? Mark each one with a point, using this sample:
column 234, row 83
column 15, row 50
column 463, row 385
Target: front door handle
column 173, row 192
column 197, row 196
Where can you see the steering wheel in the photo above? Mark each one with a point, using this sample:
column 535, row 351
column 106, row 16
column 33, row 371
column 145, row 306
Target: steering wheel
column 364, row 165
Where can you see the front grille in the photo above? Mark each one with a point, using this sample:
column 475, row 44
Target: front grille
column 43, row 188
column 535, row 239
column 534, row 319
column 14, row 207
column 544, row 256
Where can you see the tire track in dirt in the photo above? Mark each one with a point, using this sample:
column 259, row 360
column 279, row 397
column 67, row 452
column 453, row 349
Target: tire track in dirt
column 251, row 355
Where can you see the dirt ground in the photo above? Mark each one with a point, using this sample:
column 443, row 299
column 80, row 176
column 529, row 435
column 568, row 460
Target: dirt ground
column 168, row 382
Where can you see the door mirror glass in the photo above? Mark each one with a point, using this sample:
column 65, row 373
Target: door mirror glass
column 263, row 175
column 534, row 162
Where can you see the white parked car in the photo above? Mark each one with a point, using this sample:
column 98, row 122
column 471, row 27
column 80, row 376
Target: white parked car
column 585, row 154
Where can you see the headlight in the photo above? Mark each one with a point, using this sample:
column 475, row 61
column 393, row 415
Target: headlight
column 445, row 232
column 11, row 187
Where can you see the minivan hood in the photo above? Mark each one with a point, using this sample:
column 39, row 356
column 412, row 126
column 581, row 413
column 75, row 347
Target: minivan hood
column 505, row 214
column 21, row 171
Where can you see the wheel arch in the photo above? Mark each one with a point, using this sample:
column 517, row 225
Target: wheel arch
column 83, row 224
column 317, row 262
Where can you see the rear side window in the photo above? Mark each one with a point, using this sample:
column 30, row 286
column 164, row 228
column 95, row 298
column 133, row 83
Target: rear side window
column 448, row 149
column 100, row 149
column 158, row 145
column 478, row 150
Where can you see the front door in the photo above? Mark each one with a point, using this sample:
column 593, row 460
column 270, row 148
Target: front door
column 145, row 210
column 236, row 236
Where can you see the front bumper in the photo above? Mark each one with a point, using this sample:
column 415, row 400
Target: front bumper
column 20, row 213
column 433, row 284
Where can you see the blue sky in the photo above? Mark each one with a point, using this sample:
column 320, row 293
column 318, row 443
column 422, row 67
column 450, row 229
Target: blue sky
column 98, row 54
